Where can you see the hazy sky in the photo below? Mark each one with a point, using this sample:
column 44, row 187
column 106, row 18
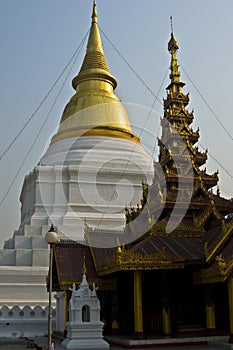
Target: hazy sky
column 37, row 39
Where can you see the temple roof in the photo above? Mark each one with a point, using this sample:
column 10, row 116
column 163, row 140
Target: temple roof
column 211, row 255
column 68, row 265
column 191, row 249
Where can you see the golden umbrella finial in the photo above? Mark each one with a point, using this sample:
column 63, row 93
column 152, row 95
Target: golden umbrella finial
column 171, row 21
column 94, row 13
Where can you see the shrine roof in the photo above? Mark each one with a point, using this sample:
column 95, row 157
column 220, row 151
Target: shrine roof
column 69, row 262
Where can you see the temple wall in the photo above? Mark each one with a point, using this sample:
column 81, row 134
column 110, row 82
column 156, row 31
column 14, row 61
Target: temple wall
column 17, row 322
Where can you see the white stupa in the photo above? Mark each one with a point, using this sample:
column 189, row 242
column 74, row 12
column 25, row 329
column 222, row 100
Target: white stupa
column 93, row 167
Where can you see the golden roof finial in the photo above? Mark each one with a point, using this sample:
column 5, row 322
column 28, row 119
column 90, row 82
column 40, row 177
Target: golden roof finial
column 173, row 47
column 118, row 246
column 84, row 269
column 85, row 228
column 94, row 13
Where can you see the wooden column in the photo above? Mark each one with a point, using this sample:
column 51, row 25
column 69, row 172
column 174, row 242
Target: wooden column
column 210, row 309
column 138, row 318
column 210, row 317
column 115, row 317
column 165, row 292
column 230, row 294
column 166, row 320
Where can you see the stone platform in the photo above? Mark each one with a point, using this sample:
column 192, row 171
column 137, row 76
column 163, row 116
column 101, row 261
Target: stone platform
column 214, row 343
column 152, row 343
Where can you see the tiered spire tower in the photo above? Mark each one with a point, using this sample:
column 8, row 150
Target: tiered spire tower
column 185, row 186
column 180, row 119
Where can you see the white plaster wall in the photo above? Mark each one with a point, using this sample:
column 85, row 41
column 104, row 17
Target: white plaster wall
column 16, row 322
column 60, row 313
column 23, row 285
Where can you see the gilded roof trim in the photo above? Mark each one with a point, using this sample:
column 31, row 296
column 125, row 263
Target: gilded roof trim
column 218, row 273
column 127, row 260
column 210, row 252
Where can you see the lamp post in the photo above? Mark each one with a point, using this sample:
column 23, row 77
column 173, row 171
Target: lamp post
column 51, row 238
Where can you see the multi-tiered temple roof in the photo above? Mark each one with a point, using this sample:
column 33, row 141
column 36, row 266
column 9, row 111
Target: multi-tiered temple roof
column 184, row 194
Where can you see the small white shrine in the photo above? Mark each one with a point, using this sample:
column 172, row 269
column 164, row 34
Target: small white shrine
column 84, row 329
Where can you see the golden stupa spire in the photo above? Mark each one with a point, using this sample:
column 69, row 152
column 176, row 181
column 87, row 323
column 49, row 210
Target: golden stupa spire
column 94, row 110
column 94, row 64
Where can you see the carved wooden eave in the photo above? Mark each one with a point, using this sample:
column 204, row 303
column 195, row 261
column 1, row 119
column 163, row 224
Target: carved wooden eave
column 219, row 273
column 223, row 205
column 200, row 157
column 203, row 182
column 187, row 133
column 167, row 155
column 209, row 210
column 152, row 199
column 128, row 260
column 200, row 188
column 183, row 114
column 102, row 284
column 212, row 249
column 210, row 180
column 181, row 230
column 179, row 99
column 218, row 255
column 66, row 285
column 170, row 173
